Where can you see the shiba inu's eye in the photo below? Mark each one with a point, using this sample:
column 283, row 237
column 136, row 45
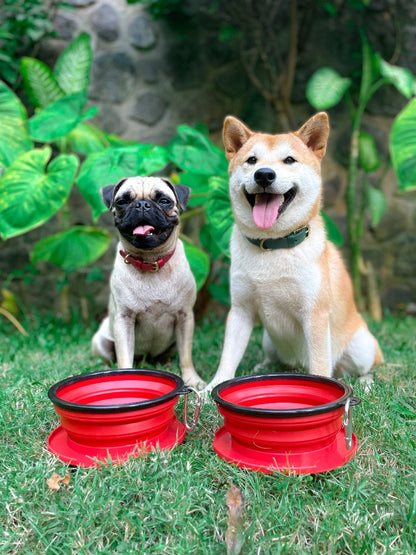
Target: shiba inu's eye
column 251, row 160
column 289, row 160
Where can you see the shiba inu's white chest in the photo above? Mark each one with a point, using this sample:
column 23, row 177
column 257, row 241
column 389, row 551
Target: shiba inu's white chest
column 291, row 287
column 282, row 300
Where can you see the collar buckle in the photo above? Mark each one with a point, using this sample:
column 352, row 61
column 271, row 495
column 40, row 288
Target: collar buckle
column 262, row 247
column 144, row 266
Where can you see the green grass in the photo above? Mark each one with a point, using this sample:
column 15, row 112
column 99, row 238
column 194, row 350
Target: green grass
column 174, row 502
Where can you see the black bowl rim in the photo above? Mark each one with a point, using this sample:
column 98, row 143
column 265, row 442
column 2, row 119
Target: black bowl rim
column 284, row 413
column 180, row 389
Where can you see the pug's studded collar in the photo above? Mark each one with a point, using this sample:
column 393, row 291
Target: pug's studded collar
column 287, row 242
column 144, row 266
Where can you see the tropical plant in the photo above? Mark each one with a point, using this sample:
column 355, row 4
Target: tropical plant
column 403, row 147
column 23, row 23
column 40, row 161
column 203, row 165
column 325, row 89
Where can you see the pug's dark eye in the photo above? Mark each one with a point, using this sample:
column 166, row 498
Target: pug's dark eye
column 121, row 202
column 289, row 160
column 164, row 201
column 251, row 160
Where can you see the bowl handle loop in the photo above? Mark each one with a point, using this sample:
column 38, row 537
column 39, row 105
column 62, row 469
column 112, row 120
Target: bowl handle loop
column 348, row 423
column 198, row 405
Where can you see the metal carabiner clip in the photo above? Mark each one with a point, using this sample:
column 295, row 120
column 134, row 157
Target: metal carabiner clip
column 197, row 411
column 348, row 423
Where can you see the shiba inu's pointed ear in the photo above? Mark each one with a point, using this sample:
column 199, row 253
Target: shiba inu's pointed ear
column 314, row 133
column 235, row 134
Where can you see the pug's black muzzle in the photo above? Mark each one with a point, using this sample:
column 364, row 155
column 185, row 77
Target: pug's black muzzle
column 145, row 213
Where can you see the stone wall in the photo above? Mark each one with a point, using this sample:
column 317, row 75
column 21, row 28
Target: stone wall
column 140, row 95
column 145, row 86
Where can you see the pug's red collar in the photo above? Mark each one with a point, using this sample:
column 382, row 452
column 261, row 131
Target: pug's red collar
column 144, row 266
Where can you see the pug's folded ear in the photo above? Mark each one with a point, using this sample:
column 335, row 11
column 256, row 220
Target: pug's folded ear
column 182, row 193
column 109, row 192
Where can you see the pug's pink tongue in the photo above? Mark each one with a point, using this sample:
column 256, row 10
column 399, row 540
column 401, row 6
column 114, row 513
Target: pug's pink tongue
column 143, row 230
column 266, row 209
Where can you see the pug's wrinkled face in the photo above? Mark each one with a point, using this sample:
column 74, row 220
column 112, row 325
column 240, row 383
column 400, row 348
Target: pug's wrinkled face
column 145, row 209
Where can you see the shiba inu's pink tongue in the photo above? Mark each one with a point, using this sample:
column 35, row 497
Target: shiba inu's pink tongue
column 143, row 230
column 265, row 209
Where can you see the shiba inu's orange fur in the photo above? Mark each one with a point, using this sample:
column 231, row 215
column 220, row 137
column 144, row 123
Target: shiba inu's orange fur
column 303, row 294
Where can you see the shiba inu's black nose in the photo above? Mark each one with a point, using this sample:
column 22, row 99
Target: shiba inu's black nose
column 264, row 177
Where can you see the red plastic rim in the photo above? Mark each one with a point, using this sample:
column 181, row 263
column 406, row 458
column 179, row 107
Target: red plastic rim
column 112, row 391
column 282, row 395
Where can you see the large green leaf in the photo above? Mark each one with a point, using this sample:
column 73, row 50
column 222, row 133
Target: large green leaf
column 117, row 142
column 377, row 204
column 73, row 248
column 72, row 69
column 207, row 242
column 219, row 214
column 110, row 165
column 403, row 147
column 191, row 150
column 199, row 263
column 199, row 185
column 39, row 83
column 332, row 230
column 369, row 158
column 220, row 292
column 60, row 118
column 401, row 77
column 86, row 139
column 32, row 191
column 14, row 137
column 326, row 88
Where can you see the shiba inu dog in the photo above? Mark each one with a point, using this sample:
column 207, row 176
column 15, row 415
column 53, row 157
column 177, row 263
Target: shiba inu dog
column 284, row 272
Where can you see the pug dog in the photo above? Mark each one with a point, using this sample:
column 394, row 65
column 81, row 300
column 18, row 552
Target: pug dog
column 152, row 288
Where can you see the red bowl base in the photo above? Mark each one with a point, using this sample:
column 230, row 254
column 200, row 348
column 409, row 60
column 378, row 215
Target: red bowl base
column 61, row 445
column 323, row 459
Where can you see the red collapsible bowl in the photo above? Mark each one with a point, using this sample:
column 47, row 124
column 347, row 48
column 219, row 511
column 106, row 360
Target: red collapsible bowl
column 111, row 415
column 290, row 423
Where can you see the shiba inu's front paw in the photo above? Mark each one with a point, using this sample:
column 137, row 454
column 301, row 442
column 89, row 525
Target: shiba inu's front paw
column 206, row 392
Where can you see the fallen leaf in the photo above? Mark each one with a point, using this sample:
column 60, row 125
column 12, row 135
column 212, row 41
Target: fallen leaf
column 55, row 480
column 234, row 536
